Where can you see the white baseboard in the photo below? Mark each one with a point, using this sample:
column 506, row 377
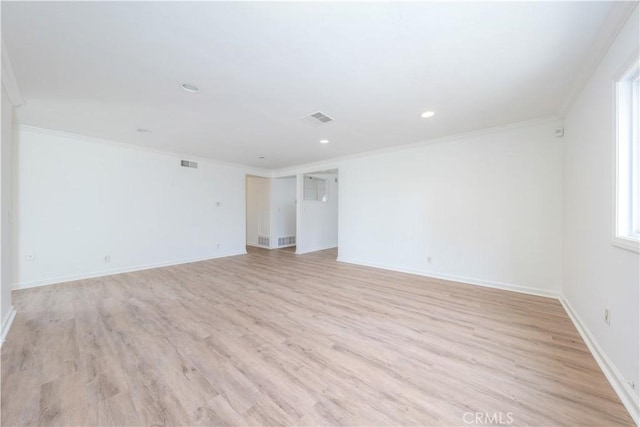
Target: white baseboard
column 73, row 277
column 620, row 386
column 6, row 324
column 255, row 245
column 316, row 249
column 460, row 279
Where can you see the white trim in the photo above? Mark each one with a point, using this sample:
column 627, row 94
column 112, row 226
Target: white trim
column 61, row 134
column 461, row 279
column 624, row 391
column 255, row 245
column 9, row 81
column 334, row 163
column 620, row 386
column 315, row 249
column 626, row 244
column 6, row 324
column 82, row 276
column 620, row 241
column 620, row 13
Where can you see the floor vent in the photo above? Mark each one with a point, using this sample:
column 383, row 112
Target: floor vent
column 264, row 240
column 286, row 241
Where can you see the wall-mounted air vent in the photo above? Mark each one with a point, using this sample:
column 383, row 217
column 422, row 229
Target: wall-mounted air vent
column 287, row 241
column 264, row 240
column 322, row 117
column 188, row 164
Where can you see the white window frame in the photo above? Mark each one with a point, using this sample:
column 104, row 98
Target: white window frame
column 626, row 223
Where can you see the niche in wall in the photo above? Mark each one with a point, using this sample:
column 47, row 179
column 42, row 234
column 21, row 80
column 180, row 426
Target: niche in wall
column 315, row 189
column 271, row 212
column 318, row 211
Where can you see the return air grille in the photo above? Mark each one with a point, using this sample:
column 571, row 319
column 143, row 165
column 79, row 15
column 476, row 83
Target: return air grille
column 286, row 241
column 264, row 240
column 188, row 164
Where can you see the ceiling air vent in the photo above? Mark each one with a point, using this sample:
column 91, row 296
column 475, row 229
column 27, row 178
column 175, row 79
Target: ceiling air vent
column 322, row 117
column 188, row 164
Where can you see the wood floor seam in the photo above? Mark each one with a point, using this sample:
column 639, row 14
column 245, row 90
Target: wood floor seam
column 275, row 338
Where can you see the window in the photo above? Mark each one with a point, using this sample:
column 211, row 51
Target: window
column 627, row 214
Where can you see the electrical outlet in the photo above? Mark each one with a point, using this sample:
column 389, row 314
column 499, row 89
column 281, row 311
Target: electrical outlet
column 107, row 258
column 218, row 245
column 428, row 260
column 31, row 256
column 607, row 316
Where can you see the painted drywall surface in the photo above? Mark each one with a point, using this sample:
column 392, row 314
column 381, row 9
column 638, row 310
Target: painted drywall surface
column 6, row 157
column 596, row 273
column 317, row 226
column 370, row 65
column 283, row 208
column 484, row 208
column 79, row 201
column 258, row 209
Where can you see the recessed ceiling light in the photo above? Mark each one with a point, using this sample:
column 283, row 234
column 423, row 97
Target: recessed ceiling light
column 324, row 141
column 142, row 130
column 427, row 114
column 190, row 88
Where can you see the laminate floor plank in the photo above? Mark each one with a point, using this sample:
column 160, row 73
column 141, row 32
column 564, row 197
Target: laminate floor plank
column 274, row 338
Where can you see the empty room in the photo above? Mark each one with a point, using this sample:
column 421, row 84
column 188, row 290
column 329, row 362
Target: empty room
column 320, row 213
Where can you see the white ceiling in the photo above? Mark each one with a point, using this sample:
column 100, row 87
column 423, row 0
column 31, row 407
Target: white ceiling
column 104, row 69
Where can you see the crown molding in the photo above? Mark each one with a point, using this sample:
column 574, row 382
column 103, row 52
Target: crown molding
column 334, row 163
column 62, row 134
column 618, row 17
column 9, row 81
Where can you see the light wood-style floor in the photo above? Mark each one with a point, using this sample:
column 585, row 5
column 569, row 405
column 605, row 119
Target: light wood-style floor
column 272, row 338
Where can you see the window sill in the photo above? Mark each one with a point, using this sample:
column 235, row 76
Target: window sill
column 626, row 244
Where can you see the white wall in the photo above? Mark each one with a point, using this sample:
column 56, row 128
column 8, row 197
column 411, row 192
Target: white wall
column 6, row 175
column 317, row 227
column 258, row 208
column 271, row 209
column 283, row 208
column 79, row 200
column 486, row 209
column 596, row 273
